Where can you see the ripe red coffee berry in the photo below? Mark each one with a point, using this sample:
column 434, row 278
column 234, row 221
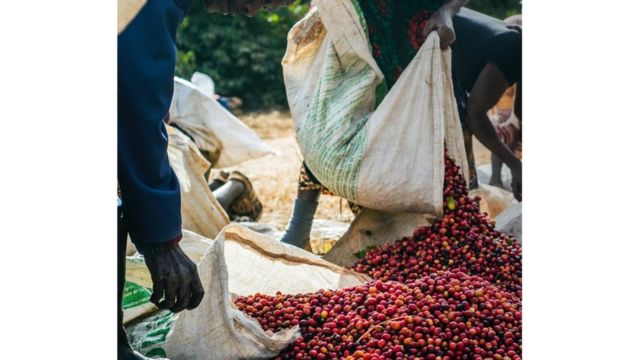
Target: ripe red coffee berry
column 472, row 310
column 476, row 248
column 409, row 332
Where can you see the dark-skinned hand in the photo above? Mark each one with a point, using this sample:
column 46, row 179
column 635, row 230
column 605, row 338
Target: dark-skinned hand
column 176, row 284
column 516, row 181
column 441, row 22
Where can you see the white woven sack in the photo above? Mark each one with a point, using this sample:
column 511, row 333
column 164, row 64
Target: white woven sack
column 238, row 262
column 204, row 82
column 373, row 228
column 510, row 221
column 493, row 200
column 200, row 210
column 389, row 157
column 212, row 127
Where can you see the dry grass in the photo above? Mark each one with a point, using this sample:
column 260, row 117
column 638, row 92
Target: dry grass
column 271, row 125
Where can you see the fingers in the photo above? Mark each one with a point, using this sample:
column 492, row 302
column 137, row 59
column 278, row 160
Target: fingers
column 449, row 41
column 170, row 294
column 158, row 291
column 176, row 284
column 178, row 295
column 197, row 292
column 183, row 297
column 447, row 37
column 190, row 293
column 444, row 44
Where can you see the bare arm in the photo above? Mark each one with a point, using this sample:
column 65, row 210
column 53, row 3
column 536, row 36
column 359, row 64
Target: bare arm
column 486, row 92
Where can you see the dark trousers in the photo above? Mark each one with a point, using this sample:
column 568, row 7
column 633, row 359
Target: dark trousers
column 123, row 343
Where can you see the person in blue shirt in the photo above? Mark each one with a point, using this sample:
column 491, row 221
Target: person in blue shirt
column 150, row 192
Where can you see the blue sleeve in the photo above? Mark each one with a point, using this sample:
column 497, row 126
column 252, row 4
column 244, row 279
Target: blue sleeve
column 146, row 65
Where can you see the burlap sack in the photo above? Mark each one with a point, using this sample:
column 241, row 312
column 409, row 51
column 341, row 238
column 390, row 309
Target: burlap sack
column 238, row 262
column 380, row 149
column 373, row 228
column 201, row 212
column 493, row 200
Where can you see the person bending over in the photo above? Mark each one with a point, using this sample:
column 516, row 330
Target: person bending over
column 486, row 61
column 149, row 208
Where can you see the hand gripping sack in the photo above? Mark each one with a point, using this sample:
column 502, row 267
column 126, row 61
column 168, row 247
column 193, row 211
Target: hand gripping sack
column 238, row 262
column 387, row 156
column 201, row 213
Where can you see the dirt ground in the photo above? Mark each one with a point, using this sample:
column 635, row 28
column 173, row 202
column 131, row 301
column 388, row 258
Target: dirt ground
column 275, row 177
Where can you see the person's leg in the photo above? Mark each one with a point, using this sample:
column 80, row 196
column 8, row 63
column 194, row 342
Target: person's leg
column 125, row 352
column 228, row 193
column 123, row 343
column 220, row 179
column 304, row 209
column 504, row 130
column 517, row 139
column 486, row 92
column 238, row 198
column 517, row 107
column 496, row 171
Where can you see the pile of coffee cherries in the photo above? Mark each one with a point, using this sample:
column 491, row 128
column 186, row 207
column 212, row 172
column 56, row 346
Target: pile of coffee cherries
column 445, row 315
column 450, row 291
column 464, row 239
